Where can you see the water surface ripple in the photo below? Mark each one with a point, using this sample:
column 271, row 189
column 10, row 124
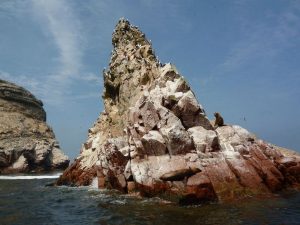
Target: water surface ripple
column 30, row 202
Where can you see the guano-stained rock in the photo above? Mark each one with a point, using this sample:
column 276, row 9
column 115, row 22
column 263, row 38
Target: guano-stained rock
column 165, row 132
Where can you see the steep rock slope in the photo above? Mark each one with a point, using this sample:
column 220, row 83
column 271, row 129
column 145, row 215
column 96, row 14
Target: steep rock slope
column 27, row 143
column 154, row 137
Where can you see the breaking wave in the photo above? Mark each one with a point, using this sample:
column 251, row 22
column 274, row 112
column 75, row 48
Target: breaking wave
column 30, row 177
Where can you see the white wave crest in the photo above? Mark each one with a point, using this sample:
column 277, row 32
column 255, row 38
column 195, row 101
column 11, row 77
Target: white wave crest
column 29, row 177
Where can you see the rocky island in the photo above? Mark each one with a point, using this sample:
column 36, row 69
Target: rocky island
column 154, row 137
column 27, row 143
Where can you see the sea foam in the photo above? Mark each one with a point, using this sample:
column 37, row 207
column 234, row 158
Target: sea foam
column 29, row 177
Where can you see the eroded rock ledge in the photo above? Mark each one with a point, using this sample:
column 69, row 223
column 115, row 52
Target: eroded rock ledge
column 155, row 138
column 27, row 143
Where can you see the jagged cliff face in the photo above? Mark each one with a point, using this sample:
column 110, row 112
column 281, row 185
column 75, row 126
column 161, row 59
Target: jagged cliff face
column 154, row 137
column 27, row 143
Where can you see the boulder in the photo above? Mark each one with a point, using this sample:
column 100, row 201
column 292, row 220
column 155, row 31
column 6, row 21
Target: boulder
column 154, row 143
column 204, row 140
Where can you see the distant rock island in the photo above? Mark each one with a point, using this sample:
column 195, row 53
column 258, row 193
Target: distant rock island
column 27, row 143
column 154, row 138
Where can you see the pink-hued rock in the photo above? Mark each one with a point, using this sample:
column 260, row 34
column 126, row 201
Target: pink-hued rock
column 130, row 186
column 154, row 143
column 204, row 140
column 154, row 137
column 199, row 187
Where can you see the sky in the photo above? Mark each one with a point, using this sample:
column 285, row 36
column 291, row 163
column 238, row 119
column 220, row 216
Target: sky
column 241, row 57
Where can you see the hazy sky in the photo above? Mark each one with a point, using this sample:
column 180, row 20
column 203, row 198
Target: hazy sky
column 241, row 57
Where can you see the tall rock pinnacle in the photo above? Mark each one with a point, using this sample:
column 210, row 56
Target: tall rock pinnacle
column 153, row 137
column 132, row 66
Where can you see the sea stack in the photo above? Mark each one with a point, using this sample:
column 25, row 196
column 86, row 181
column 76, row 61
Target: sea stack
column 154, row 137
column 27, row 143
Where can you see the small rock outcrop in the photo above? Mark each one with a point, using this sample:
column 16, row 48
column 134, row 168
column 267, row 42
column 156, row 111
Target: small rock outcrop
column 27, row 143
column 153, row 137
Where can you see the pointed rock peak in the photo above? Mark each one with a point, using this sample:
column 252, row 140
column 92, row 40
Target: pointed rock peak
column 125, row 33
column 133, row 60
column 154, row 137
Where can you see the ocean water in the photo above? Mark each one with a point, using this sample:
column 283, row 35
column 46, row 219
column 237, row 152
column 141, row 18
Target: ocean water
column 30, row 202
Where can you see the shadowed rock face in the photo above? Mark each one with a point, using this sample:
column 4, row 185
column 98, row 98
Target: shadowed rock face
column 21, row 100
column 154, row 137
column 27, row 143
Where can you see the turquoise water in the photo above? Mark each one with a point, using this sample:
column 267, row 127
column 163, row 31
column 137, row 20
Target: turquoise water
column 31, row 202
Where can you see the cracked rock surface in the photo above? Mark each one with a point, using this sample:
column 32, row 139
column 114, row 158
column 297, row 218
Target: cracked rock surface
column 27, row 143
column 154, row 137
